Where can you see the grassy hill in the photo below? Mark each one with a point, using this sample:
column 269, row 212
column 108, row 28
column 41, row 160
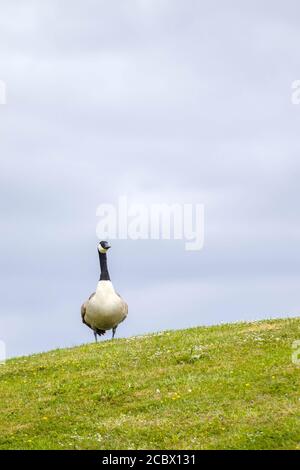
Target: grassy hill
column 224, row 387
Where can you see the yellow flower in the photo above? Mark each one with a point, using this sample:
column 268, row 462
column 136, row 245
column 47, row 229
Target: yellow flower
column 45, row 418
column 176, row 396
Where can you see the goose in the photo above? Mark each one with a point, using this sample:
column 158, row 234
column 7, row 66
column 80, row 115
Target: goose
column 104, row 309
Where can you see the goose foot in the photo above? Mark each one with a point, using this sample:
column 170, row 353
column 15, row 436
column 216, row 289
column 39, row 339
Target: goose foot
column 113, row 332
column 95, row 334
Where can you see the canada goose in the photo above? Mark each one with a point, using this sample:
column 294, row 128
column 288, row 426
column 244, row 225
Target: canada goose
column 104, row 309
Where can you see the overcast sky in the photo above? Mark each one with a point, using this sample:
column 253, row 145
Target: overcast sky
column 160, row 100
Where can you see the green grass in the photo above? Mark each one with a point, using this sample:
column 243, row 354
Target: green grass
column 223, row 387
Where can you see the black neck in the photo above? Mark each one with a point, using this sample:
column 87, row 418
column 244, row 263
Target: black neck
column 103, row 265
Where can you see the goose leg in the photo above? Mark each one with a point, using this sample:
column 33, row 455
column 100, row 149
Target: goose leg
column 113, row 332
column 95, row 334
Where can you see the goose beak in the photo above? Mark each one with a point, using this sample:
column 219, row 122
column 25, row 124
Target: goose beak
column 106, row 245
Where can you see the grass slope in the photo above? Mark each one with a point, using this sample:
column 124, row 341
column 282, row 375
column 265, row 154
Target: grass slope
column 231, row 386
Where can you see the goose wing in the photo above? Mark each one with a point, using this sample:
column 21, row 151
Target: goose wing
column 83, row 309
column 125, row 306
column 83, row 312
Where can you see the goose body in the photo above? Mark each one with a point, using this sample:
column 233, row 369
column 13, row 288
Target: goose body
column 104, row 309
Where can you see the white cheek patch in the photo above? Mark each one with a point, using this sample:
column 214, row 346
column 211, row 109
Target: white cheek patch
column 101, row 249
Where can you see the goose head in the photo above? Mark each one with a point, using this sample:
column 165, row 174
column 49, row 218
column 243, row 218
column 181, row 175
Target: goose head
column 103, row 247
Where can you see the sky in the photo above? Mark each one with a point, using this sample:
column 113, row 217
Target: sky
column 159, row 100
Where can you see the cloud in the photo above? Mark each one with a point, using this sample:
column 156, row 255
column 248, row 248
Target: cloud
column 161, row 101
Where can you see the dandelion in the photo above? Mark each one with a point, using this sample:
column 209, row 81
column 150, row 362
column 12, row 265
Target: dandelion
column 176, row 396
